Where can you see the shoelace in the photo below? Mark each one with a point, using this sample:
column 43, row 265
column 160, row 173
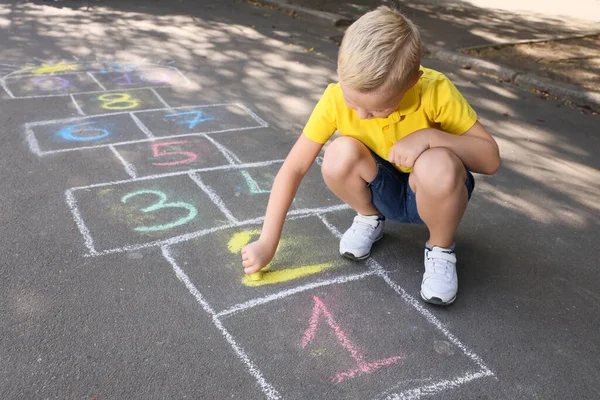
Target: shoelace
column 364, row 225
column 440, row 263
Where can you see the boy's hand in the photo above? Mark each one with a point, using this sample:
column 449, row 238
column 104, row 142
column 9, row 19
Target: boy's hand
column 405, row 151
column 256, row 255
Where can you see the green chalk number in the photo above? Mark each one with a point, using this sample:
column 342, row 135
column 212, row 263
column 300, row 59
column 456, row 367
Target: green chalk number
column 162, row 203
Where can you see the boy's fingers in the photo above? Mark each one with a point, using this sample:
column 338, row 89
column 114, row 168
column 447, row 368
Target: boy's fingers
column 246, row 263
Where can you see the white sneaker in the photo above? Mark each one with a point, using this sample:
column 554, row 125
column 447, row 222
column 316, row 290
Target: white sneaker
column 440, row 283
column 357, row 240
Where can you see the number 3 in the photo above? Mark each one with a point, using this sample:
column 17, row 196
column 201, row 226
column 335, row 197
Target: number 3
column 191, row 157
column 192, row 212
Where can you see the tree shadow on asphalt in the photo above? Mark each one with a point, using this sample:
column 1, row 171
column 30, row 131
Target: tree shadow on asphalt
column 547, row 185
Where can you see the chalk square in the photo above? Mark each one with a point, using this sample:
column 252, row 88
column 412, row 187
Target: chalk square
column 307, row 254
column 44, row 85
column 82, row 133
column 355, row 340
column 141, row 213
column 256, row 145
column 246, row 191
column 117, row 102
column 180, row 121
column 139, row 77
column 171, row 155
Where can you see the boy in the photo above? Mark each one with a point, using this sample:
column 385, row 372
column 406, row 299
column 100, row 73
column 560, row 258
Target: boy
column 409, row 141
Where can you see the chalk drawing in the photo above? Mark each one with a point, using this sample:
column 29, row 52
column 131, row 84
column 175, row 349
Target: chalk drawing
column 71, row 132
column 51, row 83
column 192, row 212
column 214, row 197
column 241, row 239
column 252, row 184
column 118, row 101
column 54, row 68
column 157, row 152
column 266, row 387
column 252, row 124
column 364, row 367
column 198, row 118
column 119, row 67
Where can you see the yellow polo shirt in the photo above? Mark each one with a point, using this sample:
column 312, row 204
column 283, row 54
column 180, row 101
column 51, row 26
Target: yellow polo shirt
column 434, row 102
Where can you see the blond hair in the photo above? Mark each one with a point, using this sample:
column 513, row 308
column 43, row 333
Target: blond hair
column 381, row 51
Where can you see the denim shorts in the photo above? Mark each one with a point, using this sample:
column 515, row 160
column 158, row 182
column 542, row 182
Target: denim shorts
column 393, row 196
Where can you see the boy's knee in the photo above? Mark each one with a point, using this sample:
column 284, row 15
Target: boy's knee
column 439, row 170
column 340, row 157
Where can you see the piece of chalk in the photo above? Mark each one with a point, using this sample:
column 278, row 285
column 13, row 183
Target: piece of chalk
column 257, row 276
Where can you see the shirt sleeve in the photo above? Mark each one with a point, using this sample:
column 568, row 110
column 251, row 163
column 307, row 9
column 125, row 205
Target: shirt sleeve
column 450, row 110
column 322, row 122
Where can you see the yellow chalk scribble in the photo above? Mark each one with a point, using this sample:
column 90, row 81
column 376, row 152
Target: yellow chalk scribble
column 240, row 239
column 284, row 275
column 54, row 68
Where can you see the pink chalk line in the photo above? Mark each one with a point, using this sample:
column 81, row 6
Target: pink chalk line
column 363, row 367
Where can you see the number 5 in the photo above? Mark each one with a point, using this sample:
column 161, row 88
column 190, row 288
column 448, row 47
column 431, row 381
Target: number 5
column 191, row 157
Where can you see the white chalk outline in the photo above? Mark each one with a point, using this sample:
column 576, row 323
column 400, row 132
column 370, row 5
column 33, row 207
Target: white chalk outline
column 35, row 147
column 77, row 106
column 141, row 125
column 20, row 74
column 432, row 319
column 159, row 97
column 129, row 168
column 375, row 270
column 267, row 388
column 214, row 197
column 91, row 75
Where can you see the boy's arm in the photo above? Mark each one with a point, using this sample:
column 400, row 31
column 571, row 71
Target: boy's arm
column 476, row 148
column 258, row 254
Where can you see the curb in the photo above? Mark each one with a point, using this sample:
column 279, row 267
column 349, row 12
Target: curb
column 335, row 19
column 524, row 79
column 575, row 94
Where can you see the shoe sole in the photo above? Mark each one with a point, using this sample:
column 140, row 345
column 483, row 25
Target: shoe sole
column 351, row 256
column 437, row 301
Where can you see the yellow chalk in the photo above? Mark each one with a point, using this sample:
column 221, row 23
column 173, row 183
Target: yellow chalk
column 285, row 275
column 257, row 276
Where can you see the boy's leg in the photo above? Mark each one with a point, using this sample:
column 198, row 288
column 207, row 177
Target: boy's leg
column 347, row 168
column 438, row 180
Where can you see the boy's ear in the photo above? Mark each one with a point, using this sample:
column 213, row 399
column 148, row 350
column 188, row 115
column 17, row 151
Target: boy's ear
column 416, row 78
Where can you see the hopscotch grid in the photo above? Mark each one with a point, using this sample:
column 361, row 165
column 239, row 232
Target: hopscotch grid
column 225, row 167
column 141, row 126
column 298, row 214
column 101, row 69
column 432, row 319
column 129, row 168
column 87, row 237
column 79, row 110
column 95, row 92
column 152, row 139
column 91, row 75
column 266, row 387
column 288, row 292
column 214, row 197
column 75, row 119
column 16, row 74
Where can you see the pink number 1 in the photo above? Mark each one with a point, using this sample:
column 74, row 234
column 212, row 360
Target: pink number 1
column 364, row 367
column 156, row 151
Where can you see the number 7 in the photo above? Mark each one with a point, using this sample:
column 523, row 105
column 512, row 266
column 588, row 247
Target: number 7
column 191, row 157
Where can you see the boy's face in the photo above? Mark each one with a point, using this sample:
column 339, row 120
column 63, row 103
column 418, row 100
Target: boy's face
column 372, row 105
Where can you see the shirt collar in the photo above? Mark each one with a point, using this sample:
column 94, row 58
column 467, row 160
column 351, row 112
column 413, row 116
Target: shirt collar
column 409, row 103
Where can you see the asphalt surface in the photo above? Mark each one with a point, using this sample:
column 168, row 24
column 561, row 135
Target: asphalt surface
column 120, row 278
